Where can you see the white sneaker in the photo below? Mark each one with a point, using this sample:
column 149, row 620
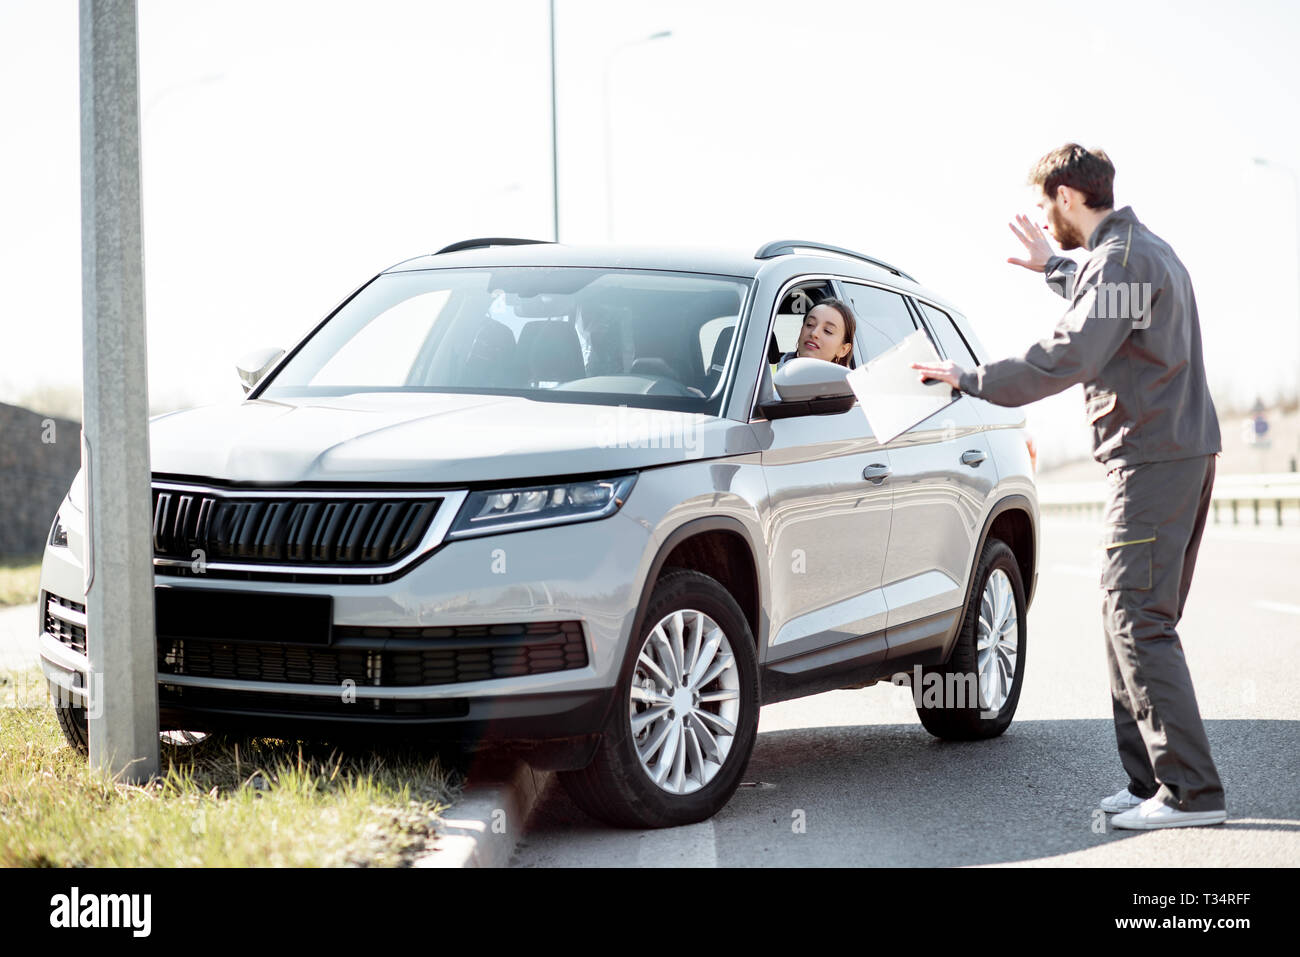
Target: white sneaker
column 1121, row 801
column 1153, row 813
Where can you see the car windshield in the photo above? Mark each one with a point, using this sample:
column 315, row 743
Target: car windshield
column 571, row 334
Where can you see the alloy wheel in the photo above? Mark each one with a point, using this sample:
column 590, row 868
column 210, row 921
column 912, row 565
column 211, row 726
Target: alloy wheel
column 685, row 701
column 997, row 644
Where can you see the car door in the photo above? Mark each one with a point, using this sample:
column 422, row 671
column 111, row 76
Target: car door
column 943, row 474
column 828, row 521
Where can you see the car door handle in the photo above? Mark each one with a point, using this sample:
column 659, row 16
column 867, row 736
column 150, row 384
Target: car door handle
column 876, row 473
column 972, row 457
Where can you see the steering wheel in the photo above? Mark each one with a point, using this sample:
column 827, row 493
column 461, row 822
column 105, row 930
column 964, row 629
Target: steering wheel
column 677, row 388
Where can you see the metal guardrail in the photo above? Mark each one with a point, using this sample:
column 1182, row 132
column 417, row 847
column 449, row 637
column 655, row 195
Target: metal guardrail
column 1235, row 494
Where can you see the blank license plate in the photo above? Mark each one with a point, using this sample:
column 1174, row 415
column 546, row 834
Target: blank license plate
column 243, row 616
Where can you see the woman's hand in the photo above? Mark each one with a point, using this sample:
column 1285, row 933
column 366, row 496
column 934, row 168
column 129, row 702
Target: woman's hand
column 1035, row 243
column 945, row 371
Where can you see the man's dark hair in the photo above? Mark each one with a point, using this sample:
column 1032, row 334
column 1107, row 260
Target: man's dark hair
column 1089, row 171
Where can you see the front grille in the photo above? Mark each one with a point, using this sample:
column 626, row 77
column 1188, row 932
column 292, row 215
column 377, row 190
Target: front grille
column 479, row 653
column 70, row 633
column 387, row 657
column 293, row 664
column 307, row 532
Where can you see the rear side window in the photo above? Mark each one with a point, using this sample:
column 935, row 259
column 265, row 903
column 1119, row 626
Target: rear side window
column 883, row 318
column 954, row 346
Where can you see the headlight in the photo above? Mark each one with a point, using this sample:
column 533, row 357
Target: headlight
column 58, row 534
column 504, row 510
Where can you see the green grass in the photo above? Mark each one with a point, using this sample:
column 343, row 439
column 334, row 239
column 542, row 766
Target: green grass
column 20, row 579
column 223, row 802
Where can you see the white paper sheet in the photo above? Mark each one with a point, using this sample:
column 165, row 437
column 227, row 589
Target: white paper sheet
column 890, row 392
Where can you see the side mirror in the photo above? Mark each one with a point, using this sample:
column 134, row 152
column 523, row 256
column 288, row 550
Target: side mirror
column 253, row 366
column 810, row 387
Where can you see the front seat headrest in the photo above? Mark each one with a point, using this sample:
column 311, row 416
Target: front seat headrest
column 552, row 351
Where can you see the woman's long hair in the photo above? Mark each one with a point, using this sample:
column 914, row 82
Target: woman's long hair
column 850, row 325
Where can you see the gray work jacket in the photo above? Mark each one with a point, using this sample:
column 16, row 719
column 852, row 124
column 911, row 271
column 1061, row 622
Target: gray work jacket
column 1133, row 338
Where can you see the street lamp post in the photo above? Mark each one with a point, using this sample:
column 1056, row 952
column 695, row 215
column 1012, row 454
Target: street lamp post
column 1295, row 188
column 555, row 146
column 609, row 128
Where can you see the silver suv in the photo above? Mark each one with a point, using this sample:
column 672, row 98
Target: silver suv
column 562, row 497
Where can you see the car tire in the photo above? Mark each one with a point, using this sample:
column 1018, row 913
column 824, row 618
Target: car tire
column 697, row 761
column 75, row 725
column 988, row 656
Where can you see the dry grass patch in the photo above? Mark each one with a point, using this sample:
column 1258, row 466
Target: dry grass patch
column 223, row 802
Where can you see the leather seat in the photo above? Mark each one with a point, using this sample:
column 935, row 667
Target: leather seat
column 551, row 352
column 718, row 360
column 491, row 358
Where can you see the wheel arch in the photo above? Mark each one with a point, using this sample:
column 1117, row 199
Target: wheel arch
column 719, row 547
column 1011, row 519
column 722, row 530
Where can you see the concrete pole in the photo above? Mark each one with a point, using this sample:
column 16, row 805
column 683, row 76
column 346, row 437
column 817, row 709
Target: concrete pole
column 123, row 694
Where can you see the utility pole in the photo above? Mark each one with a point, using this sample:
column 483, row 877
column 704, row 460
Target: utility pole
column 122, row 687
column 555, row 144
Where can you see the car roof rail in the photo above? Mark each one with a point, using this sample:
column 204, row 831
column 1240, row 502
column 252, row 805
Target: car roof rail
column 491, row 241
column 784, row 247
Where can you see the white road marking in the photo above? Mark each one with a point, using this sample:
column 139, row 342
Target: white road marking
column 1278, row 606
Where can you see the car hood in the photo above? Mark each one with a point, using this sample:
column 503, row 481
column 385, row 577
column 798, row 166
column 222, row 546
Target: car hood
column 428, row 438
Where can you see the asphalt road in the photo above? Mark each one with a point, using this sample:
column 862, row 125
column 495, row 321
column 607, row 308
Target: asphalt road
column 871, row 787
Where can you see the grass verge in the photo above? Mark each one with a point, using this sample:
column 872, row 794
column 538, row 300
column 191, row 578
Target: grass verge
column 224, row 802
column 20, row 579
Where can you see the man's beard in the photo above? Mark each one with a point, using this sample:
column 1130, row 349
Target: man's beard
column 1067, row 237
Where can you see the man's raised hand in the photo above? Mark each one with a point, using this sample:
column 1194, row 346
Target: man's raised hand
column 1035, row 243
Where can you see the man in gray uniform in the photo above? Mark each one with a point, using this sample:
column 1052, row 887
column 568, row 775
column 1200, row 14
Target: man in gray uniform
column 1132, row 336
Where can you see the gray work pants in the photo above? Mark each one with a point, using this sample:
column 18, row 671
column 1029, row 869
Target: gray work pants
column 1155, row 514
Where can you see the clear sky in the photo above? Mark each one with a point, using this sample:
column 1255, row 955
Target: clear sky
column 293, row 149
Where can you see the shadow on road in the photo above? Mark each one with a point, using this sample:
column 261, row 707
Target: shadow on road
column 894, row 795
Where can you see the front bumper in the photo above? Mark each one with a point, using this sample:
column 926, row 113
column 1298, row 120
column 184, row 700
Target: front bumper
column 585, row 573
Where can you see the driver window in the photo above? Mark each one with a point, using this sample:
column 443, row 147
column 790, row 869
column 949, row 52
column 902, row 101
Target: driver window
column 883, row 318
column 789, row 321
